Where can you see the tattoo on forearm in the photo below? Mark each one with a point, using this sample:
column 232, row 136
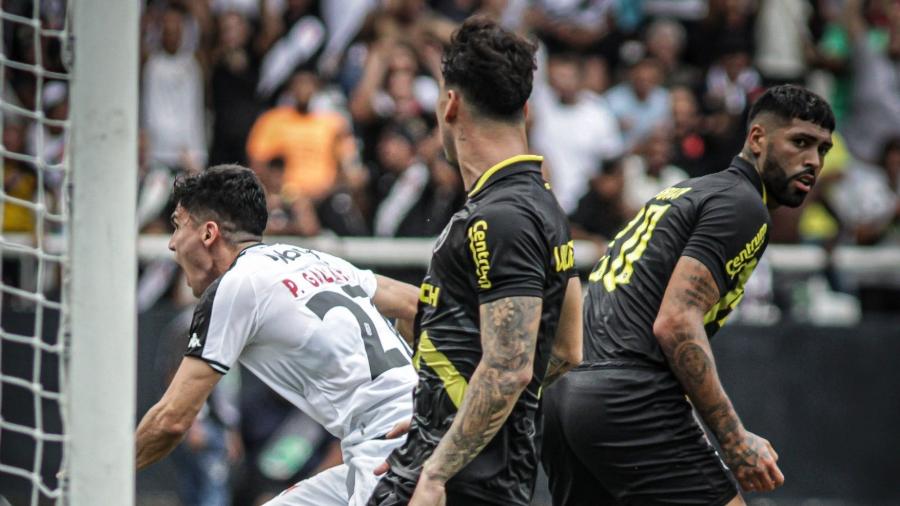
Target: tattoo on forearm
column 556, row 367
column 509, row 333
column 690, row 358
column 693, row 362
column 700, row 294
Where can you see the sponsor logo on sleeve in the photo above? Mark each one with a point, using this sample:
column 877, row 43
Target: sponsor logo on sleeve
column 564, row 255
column 480, row 254
column 734, row 266
column 429, row 294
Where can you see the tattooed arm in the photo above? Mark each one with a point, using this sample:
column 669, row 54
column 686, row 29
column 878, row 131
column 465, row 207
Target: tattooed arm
column 566, row 351
column 509, row 328
column 680, row 331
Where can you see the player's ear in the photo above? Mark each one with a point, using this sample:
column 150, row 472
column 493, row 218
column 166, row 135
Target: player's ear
column 756, row 139
column 451, row 110
column 210, row 232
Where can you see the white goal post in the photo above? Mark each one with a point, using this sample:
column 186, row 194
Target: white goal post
column 102, row 379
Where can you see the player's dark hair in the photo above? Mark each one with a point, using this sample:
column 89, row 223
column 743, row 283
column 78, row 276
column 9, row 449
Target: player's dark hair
column 230, row 195
column 789, row 102
column 493, row 68
column 890, row 145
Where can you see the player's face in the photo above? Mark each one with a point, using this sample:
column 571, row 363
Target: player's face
column 190, row 251
column 794, row 155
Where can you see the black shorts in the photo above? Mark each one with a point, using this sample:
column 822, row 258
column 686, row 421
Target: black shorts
column 395, row 490
column 628, row 436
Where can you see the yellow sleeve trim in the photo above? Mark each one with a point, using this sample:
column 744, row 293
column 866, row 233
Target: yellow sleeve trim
column 454, row 382
column 505, row 163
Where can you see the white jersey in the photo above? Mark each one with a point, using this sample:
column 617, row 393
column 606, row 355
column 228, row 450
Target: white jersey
column 304, row 323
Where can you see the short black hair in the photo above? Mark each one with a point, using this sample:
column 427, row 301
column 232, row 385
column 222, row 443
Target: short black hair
column 892, row 144
column 231, row 195
column 492, row 67
column 788, row 101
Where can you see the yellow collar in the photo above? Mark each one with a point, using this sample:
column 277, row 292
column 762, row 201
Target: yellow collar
column 505, row 163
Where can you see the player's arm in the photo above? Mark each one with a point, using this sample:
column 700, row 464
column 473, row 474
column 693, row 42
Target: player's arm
column 679, row 328
column 567, row 346
column 509, row 328
column 166, row 423
column 396, row 299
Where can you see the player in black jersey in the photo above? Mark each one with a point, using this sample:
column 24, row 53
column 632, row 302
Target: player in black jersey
column 619, row 429
column 500, row 308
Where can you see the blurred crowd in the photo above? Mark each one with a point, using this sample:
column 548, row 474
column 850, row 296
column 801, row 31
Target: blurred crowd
column 332, row 103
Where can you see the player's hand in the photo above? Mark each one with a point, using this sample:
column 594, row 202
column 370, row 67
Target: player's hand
column 429, row 492
column 753, row 462
column 398, row 430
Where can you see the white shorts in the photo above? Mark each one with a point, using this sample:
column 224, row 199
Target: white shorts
column 350, row 483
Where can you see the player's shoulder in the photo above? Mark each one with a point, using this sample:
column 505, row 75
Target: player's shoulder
column 231, row 285
column 524, row 194
column 726, row 188
column 508, row 209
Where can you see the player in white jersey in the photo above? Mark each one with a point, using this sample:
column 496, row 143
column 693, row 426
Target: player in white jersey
column 310, row 325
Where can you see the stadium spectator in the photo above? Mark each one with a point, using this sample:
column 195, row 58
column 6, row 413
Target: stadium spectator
column 565, row 25
column 572, row 154
column 172, row 97
column 783, row 40
column 233, row 79
column 19, row 180
column 725, row 19
column 729, row 87
column 875, row 108
column 304, row 36
column 601, row 211
column 731, row 82
column 695, row 150
column 404, row 177
column 392, row 85
column 289, row 214
column 595, row 75
column 417, row 190
column 154, row 186
column 317, row 146
column 864, row 202
column 641, row 103
column 665, row 42
column 649, row 170
column 47, row 141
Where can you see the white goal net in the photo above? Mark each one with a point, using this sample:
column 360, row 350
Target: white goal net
column 68, row 156
column 33, row 211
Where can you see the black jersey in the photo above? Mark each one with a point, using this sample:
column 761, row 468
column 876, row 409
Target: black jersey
column 720, row 219
column 510, row 239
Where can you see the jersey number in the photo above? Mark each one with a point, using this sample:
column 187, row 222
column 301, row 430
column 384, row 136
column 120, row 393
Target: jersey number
column 616, row 268
column 379, row 360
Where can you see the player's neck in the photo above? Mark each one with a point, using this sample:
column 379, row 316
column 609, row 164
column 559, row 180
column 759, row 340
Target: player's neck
column 747, row 154
column 225, row 255
column 479, row 149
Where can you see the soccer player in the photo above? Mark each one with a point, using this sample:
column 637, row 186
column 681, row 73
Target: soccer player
column 499, row 309
column 306, row 323
column 619, row 429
